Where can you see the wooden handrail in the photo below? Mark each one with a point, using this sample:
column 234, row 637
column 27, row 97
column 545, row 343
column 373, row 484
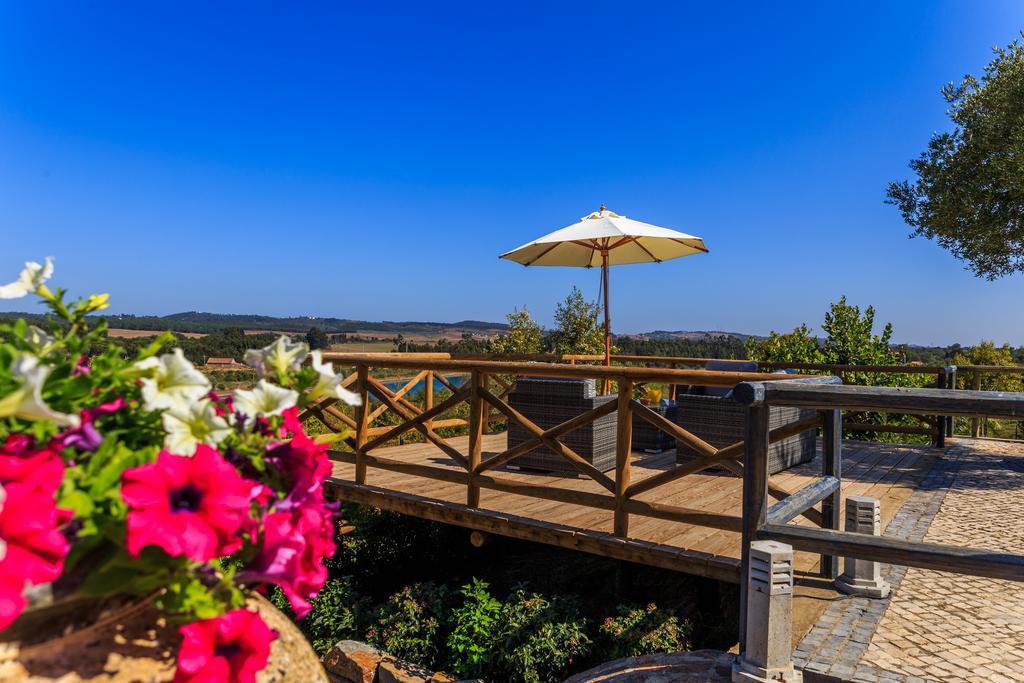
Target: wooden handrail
column 883, row 399
column 711, row 378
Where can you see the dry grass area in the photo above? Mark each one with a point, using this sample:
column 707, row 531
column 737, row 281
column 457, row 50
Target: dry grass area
column 135, row 334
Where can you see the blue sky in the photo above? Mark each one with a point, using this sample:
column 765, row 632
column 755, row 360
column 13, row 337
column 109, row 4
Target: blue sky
column 371, row 162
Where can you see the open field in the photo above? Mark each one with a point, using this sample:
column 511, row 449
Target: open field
column 136, row 334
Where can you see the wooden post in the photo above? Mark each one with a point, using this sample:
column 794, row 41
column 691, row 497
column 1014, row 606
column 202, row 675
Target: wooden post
column 362, row 412
column 831, row 465
column 939, row 436
column 477, row 412
column 428, row 395
column 755, row 495
column 623, row 449
column 607, row 319
column 975, row 422
column 950, row 384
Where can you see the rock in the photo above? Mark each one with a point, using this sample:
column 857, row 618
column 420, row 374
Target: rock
column 353, row 660
column 702, row 666
column 442, row 677
column 393, row 670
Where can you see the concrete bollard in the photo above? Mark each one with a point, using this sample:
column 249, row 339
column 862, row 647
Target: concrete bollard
column 768, row 651
column 863, row 577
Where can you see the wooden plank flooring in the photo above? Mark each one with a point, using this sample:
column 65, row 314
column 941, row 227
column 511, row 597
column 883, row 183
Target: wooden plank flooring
column 885, row 471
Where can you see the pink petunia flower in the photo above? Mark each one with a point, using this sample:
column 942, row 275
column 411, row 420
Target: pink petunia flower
column 306, row 465
column 231, row 649
column 35, row 547
column 81, row 367
column 22, row 462
column 292, row 553
column 192, row 506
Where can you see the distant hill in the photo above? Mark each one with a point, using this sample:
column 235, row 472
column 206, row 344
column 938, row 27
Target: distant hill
column 204, row 323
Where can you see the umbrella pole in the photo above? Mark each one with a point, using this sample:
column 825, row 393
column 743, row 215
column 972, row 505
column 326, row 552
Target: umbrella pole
column 607, row 321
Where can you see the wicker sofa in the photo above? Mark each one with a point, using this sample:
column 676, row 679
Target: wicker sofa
column 550, row 402
column 711, row 414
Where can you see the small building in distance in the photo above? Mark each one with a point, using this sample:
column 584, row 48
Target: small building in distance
column 214, row 363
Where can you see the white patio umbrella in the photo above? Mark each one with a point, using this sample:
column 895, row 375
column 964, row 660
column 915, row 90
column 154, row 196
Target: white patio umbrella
column 605, row 238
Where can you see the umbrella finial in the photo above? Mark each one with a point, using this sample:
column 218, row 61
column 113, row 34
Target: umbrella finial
column 603, row 208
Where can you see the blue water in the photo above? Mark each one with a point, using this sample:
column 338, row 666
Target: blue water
column 456, row 380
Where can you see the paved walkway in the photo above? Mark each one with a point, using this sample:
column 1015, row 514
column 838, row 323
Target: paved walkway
column 938, row 626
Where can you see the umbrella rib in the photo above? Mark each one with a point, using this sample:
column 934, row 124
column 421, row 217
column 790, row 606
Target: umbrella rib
column 542, row 254
column 685, row 244
column 646, row 251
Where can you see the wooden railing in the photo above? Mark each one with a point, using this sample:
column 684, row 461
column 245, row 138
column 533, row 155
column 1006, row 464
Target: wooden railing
column 487, row 390
column 936, row 428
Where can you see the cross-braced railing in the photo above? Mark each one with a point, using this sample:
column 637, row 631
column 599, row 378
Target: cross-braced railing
column 485, row 390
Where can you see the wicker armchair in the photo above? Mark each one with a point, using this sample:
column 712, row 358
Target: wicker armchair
column 550, row 402
column 713, row 416
column 647, row 437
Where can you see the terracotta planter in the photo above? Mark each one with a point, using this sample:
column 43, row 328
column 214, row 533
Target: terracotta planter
column 120, row 642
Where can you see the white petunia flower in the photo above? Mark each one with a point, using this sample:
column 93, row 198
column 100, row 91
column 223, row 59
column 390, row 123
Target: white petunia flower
column 329, row 383
column 187, row 426
column 26, row 402
column 175, row 381
column 266, row 399
column 278, row 358
column 37, row 337
column 32, row 277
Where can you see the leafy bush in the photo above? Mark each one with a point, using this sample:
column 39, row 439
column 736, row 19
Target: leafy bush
column 338, row 614
column 537, row 639
column 474, row 622
column 643, row 630
column 412, row 624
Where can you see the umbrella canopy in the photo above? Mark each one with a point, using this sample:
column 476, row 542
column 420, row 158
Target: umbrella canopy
column 625, row 240
column 604, row 238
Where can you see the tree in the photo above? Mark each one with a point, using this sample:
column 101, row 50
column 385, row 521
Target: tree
column 850, row 338
column 969, row 191
column 798, row 346
column 576, row 326
column 524, row 335
column 987, row 353
column 317, row 338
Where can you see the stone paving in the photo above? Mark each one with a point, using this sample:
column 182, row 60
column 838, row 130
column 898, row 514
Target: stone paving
column 938, row 626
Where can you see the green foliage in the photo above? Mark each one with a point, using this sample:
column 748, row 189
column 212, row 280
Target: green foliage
column 969, row 190
column 411, row 625
column 577, row 330
column 474, row 624
column 524, row 335
column 338, row 613
column 638, row 631
column 707, row 346
column 798, row 346
column 987, row 353
column 317, row 338
column 537, row 638
column 849, row 340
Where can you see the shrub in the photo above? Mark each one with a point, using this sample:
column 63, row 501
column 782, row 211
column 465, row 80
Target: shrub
column 537, row 639
column 337, row 614
column 474, row 624
column 643, row 630
column 411, row 624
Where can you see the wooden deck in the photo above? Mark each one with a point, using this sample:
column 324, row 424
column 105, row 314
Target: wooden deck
column 888, row 472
